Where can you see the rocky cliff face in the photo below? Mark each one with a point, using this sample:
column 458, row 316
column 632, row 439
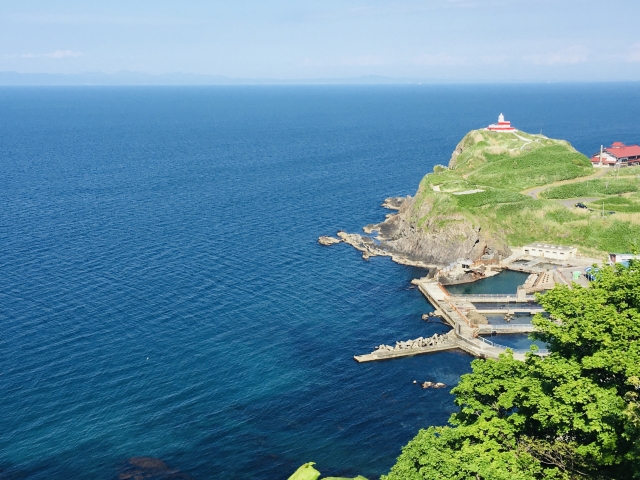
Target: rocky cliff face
column 418, row 235
column 413, row 237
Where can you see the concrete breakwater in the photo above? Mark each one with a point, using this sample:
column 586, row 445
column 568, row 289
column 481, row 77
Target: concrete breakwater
column 435, row 343
column 466, row 313
column 459, row 313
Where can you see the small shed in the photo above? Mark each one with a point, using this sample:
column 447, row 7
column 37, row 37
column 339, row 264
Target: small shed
column 552, row 252
column 622, row 257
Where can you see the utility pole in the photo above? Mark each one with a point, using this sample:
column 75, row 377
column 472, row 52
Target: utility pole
column 601, row 149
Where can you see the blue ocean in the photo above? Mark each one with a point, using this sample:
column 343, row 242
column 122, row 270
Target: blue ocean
column 162, row 291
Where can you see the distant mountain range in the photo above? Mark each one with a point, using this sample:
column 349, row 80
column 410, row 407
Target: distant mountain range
column 137, row 78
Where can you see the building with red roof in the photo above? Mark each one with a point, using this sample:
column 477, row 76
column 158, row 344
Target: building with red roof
column 617, row 154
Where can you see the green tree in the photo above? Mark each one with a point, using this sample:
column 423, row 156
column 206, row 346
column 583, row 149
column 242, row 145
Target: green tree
column 572, row 414
column 308, row 472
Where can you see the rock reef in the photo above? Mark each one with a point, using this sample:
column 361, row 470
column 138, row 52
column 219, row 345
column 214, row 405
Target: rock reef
column 412, row 237
column 149, row 468
column 327, row 241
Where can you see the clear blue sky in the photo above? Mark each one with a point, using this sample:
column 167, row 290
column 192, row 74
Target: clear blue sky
column 433, row 40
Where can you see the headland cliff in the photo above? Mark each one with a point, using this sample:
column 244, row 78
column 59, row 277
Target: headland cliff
column 498, row 190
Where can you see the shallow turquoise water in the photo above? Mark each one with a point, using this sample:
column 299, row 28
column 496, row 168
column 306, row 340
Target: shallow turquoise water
column 162, row 292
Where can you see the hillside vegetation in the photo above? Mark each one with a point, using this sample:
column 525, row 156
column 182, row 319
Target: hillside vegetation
column 593, row 188
column 503, row 165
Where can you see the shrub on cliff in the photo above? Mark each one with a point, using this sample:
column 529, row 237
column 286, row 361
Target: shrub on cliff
column 573, row 414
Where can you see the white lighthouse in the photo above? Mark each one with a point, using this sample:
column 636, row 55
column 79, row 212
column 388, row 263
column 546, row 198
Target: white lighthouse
column 501, row 126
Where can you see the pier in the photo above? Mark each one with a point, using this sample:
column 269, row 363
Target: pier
column 465, row 313
column 455, row 311
column 465, row 335
column 388, row 355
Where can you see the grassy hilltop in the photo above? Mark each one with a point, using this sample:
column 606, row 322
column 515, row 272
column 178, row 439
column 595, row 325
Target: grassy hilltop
column 523, row 177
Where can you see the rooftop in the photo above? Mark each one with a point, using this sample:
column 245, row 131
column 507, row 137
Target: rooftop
column 620, row 150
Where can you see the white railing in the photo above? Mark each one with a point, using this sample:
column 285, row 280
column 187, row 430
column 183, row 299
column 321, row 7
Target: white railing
column 488, row 295
column 514, row 326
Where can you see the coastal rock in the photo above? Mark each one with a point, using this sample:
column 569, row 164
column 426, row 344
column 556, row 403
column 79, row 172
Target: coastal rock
column 326, row 240
column 436, row 241
column 433, row 385
column 426, row 233
column 149, row 468
column 433, row 244
column 394, row 203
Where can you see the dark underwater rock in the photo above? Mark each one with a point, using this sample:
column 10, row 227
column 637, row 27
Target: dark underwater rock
column 149, row 468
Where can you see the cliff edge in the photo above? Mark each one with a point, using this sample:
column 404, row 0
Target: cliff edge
column 474, row 206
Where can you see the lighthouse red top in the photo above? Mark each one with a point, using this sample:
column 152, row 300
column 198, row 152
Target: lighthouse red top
column 501, row 126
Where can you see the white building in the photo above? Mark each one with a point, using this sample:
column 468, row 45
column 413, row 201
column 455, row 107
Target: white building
column 622, row 257
column 552, row 252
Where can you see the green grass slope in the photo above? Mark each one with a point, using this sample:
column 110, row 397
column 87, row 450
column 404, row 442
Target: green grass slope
column 503, row 165
column 593, row 188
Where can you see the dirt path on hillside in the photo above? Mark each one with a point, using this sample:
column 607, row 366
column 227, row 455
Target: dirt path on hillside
column 535, row 191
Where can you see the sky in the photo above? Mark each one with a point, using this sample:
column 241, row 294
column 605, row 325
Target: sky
column 426, row 40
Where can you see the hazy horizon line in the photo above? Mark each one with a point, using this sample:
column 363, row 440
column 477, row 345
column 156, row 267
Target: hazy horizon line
column 133, row 78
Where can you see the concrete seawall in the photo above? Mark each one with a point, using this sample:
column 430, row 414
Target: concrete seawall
column 453, row 309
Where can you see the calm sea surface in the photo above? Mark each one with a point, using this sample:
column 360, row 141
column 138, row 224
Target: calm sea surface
column 162, row 292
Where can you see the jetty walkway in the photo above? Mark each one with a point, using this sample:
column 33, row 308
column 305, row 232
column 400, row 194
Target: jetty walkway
column 465, row 335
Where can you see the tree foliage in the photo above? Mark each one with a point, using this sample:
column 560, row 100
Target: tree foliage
column 308, row 472
column 573, row 414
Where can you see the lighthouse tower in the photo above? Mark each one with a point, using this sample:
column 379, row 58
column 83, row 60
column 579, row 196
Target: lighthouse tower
column 501, row 126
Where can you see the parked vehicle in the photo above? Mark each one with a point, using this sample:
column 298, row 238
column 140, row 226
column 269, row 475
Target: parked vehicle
column 580, row 205
column 590, row 273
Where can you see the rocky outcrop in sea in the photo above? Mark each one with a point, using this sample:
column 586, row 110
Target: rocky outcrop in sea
column 426, row 245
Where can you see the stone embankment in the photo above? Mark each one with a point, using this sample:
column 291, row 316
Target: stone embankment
column 435, row 343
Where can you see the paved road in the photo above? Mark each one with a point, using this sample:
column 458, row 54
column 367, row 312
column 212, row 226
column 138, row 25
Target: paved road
column 570, row 202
